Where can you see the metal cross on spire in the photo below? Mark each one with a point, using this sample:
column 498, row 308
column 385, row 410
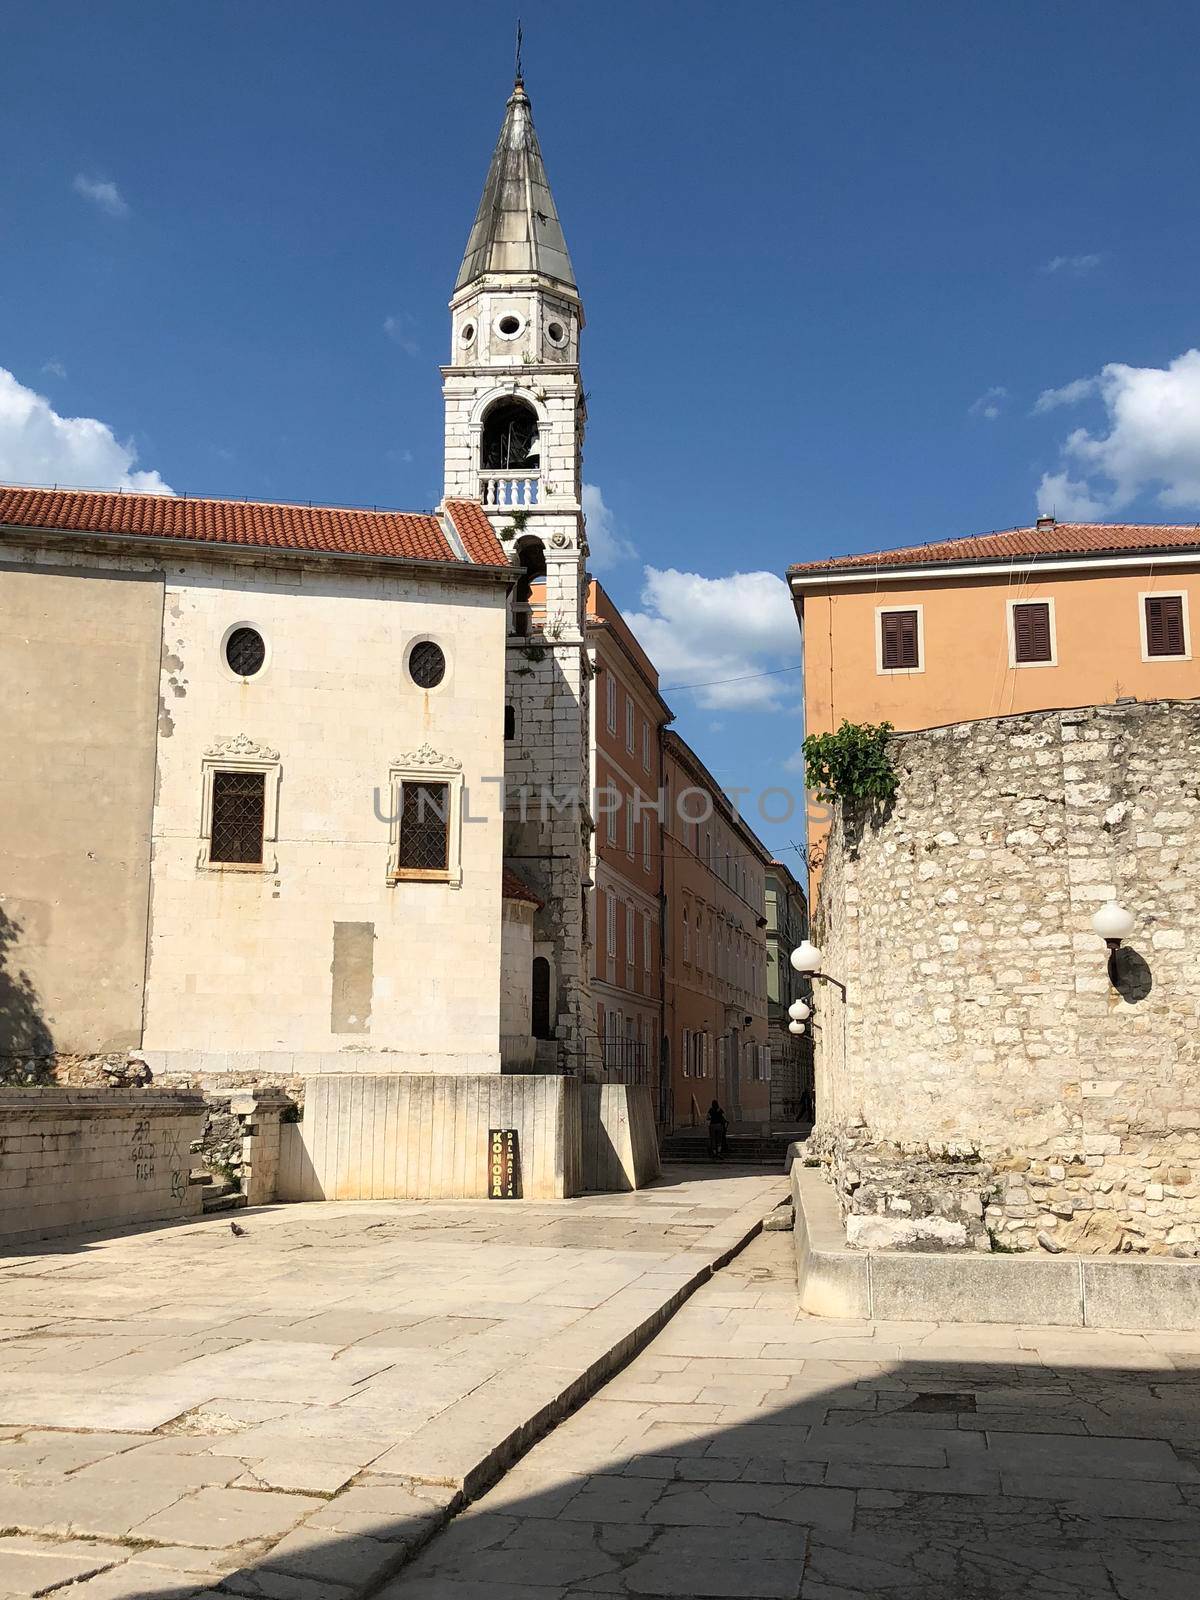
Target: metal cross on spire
column 520, row 69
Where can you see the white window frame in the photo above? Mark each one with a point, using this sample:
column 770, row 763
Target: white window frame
column 630, row 719
column 646, row 942
column 610, row 931
column 240, row 754
column 1034, row 600
column 899, row 672
column 687, row 934
column 629, row 843
column 611, row 813
column 1165, row 594
column 611, row 693
column 645, row 745
column 630, row 941
column 426, row 765
column 645, row 842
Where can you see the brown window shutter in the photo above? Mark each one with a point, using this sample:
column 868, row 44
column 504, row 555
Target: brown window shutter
column 1164, row 625
column 900, row 640
column 1031, row 631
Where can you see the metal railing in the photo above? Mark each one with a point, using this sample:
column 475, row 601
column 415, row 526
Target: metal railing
column 625, row 1061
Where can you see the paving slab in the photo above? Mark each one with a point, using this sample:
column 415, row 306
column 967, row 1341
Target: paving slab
column 301, row 1407
column 945, row 1471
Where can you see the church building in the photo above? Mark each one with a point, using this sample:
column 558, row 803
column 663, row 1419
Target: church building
column 293, row 792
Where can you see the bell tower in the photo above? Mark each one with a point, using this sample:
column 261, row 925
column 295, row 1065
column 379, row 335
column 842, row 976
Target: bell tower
column 515, row 414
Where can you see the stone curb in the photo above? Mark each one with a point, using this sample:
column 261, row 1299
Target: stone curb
column 469, row 1446
column 460, row 1451
column 1065, row 1291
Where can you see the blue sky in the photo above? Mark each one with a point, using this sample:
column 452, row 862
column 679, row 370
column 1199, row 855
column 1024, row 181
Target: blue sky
column 856, row 274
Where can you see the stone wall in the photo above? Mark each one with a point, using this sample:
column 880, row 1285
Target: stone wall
column 72, row 1159
column 980, row 1031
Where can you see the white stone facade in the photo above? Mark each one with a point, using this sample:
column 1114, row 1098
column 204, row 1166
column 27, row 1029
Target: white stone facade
column 515, row 341
column 320, row 959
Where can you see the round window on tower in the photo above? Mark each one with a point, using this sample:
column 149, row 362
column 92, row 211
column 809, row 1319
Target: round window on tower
column 556, row 334
column 426, row 664
column 245, row 651
column 466, row 334
column 509, row 325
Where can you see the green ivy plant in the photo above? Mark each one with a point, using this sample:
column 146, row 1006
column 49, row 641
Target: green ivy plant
column 852, row 765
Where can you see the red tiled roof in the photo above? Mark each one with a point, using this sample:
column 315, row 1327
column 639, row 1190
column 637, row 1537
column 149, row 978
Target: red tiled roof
column 475, row 531
column 1052, row 539
column 515, row 889
column 330, row 530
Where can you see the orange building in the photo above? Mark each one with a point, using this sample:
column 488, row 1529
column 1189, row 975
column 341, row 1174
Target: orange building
column 715, row 1013
column 628, row 714
column 1029, row 619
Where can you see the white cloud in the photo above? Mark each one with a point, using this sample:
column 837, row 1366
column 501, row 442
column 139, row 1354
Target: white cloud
column 990, row 403
column 606, row 544
column 1152, row 444
column 1069, row 395
column 101, row 193
column 399, row 331
column 1067, row 498
column 697, row 630
column 54, row 369
column 1073, row 266
column 39, row 446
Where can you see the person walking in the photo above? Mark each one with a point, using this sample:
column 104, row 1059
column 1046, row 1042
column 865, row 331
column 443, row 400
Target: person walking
column 717, row 1127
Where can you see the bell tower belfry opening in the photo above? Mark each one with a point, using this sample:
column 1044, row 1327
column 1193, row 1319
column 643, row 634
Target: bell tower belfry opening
column 515, row 413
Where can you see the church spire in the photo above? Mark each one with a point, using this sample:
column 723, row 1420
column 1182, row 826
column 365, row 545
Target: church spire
column 516, row 228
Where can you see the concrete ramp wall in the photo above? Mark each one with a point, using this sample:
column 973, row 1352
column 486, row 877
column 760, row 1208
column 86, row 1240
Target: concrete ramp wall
column 620, row 1146
column 405, row 1136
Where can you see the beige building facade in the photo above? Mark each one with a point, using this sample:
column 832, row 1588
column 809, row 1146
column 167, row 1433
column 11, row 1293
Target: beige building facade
column 715, row 1013
column 208, row 857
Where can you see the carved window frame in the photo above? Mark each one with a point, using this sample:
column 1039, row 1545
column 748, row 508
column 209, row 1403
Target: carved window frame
column 426, row 765
column 240, row 754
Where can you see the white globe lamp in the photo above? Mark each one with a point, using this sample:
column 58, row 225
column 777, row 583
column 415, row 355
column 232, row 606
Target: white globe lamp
column 806, row 957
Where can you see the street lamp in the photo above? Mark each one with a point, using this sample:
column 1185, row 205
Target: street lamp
column 799, row 1011
column 1114, row 925
column 797, row 1027
column 806, row 958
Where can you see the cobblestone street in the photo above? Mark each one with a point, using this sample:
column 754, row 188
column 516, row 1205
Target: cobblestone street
column 758, row 1453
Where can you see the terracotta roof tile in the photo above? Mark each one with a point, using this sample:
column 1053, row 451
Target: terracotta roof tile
column 330, row 530
column 475, row 531
column 1052, row 539
column 516, row 889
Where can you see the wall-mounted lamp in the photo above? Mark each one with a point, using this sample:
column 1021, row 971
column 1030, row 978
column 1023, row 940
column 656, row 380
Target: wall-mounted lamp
column 799, row 1011
column 797, row 1027
column 806, row 958
column 1114, row 925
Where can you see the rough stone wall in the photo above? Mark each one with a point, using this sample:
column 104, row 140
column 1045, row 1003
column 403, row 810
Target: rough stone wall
column 90, row 1158
column 979, row 1020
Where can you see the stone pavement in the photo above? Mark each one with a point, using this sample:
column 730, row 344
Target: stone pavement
column 290, row 1413
column 752, row 1451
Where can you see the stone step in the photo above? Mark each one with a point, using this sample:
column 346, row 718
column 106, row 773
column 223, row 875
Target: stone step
column 754, row 1149
column 223, row 1200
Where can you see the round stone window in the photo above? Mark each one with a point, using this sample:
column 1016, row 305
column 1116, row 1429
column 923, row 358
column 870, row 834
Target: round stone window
column 426, row 664
column 466, row 334
column 509, row 326
column 556, row 333
column 245, row 652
